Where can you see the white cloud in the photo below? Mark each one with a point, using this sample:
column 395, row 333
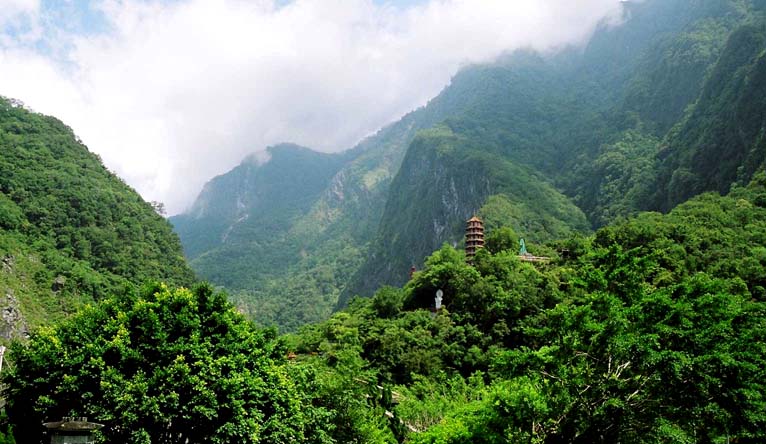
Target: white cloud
column 10, row 9
column 19, row 18
column 177, row 93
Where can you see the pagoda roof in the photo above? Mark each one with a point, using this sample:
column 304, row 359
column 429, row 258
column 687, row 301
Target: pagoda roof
column 474, row 219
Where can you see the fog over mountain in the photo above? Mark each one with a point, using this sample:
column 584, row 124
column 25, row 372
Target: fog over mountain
column 171, row 93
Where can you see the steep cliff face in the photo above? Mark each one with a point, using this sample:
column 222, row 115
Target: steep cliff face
column 433, row 193
column 723, row 139
column 12, row 322
column 444, row 180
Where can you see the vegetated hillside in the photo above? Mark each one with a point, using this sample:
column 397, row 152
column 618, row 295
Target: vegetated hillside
column 598, row 135
column 723, row 139
column 635, row 169
column 321, row 238
column 605, row 128
column 70, row 231
column 237, row 232
column 444, row 180
column 651, row 330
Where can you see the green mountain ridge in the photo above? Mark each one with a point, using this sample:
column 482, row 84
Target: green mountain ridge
column 721, row 142
column 70, row 231
column 549, row 144
column 600, row 148
column 255, row 206
column 454, row 180
column 333, row 231
column 643, row 327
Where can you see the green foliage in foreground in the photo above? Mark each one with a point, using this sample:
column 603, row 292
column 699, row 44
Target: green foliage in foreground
column 182, row 366
column 652, row 330
column 165, row 366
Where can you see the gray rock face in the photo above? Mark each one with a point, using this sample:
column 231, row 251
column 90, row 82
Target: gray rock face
column 58, row 283
column 12, row 323
column 7, row 263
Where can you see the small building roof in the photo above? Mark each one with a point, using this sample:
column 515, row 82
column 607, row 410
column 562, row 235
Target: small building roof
column 73, row 425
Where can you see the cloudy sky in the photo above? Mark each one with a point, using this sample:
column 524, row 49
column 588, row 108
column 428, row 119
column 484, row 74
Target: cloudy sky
column 173, row 92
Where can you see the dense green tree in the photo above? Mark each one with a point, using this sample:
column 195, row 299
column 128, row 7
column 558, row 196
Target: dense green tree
column 164, row 366
column 388, row 302
column 651, row 330
column 502, row 239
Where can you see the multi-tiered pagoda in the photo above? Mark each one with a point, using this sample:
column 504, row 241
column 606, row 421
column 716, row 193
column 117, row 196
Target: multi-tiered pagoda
column 474, row 237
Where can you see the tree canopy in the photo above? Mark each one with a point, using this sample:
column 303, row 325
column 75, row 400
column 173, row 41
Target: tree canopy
column 652, row 330
column 163, row 366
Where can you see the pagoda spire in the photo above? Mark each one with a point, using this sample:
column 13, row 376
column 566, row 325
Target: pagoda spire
column 474, row 237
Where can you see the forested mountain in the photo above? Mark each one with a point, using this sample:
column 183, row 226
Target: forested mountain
column 70, row 231
column 321, row 232
column 444, row 180
column 651, row 330
column 593, row 125
column 635, row 164
column 251, row 210
column 722, row 140
column 652, row 111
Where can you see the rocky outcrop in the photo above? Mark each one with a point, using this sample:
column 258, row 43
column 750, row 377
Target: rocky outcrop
column 12, row 323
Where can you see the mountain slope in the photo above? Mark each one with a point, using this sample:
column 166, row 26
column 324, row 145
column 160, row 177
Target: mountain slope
column 554, row 117
column 549, row 143
column 332, row 224
column 444, row 180
column 249, row 212
column 722, row 141
column 619, row 175
column 70, row 231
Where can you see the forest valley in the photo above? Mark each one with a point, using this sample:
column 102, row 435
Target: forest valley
column 651, row 330
column 281, row 311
